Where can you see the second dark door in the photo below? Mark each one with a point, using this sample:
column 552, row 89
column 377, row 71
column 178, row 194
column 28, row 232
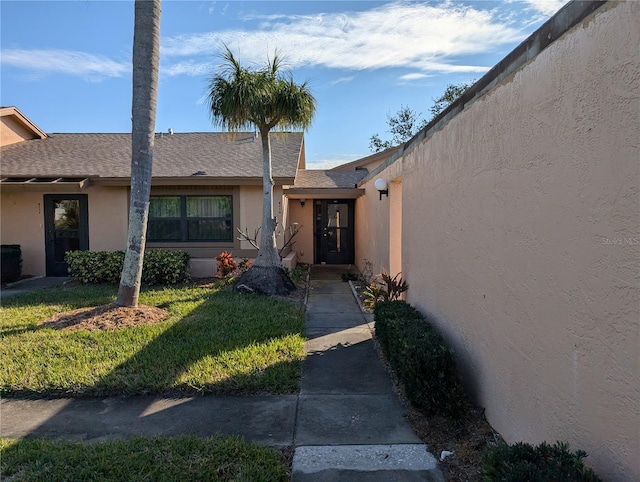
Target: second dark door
column 334, row 239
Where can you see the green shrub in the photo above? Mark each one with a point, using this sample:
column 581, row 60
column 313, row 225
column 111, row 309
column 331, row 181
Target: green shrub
column 386, row 314
column 298, row 272
column 423, row 363
column 349, row 276
column 524, row 462
column 160, row 267
column 373, row 294
column 93, row 267
column 384, row 288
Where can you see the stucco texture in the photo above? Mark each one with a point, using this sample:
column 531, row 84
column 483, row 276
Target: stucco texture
column 22, row 218
column 23, row 223
column 303, row 215
column 12, row 132
column 520, row 239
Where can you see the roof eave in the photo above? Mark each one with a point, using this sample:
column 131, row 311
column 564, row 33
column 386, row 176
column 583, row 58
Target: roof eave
column 323, row 193
column 23, row 119
column 193, row 181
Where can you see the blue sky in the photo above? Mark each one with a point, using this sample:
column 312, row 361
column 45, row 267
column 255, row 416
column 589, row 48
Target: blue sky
column 67, row 65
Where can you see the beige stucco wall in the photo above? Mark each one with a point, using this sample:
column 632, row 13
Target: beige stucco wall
column 520, row 237
column 395, row 226
column 108, row 218
column 303, row 215
column 12, row 131
column 22, row 222
column 372, row 229
column 251, row 210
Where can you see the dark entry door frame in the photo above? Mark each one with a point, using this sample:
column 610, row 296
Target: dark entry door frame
column 333, row 229
column 66, row 224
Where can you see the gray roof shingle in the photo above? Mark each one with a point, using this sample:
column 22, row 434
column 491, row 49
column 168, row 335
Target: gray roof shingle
column 329, row 179
column 220, row 155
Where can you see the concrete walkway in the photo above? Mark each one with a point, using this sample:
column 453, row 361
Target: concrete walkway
column 347, row 422
column 350, row 423
column 28, row 285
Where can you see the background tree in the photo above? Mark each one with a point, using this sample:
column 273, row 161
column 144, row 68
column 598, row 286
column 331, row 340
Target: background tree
column 402, row 126
column 265, row 98
column 450, row 95
column 146, row 58
column 406, row 122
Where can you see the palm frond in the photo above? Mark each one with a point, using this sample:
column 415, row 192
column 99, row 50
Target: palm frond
column 240, row 97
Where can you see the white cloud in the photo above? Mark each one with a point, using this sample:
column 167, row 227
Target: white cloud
column 341, row 80
column 421, row 36
column 413, row 76
column 546, row 7
column 71, row 62
column 189, row 67
column 426, row 38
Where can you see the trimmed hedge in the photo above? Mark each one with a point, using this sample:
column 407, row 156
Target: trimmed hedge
column 522, row 461
column 423, row 363
column 160, row 267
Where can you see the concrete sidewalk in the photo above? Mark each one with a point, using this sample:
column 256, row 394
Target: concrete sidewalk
column 350, row 423
column 28, row 285
column 346, row 424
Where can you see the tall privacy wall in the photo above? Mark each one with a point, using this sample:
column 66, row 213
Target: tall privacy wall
column 519, row 236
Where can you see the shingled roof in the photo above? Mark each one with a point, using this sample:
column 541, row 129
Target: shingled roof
column 317, row 179
column 108, row 156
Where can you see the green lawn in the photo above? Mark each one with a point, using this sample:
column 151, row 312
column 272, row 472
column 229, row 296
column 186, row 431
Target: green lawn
column 214, row 341
column 184, row 458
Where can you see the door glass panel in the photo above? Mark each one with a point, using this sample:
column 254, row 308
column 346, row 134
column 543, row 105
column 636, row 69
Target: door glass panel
column 337, row 224
column 66, row 221
column 338, row 216
column 66, row 214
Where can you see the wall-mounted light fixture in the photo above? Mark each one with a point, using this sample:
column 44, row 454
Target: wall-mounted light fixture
column 381, row 187
column 302, row 201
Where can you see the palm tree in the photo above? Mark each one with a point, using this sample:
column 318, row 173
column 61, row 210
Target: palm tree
column 264, row 98
column 146, row 58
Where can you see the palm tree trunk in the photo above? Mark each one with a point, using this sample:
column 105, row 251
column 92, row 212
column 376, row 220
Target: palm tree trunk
column 267, row 276
column 268, row 252
column 146, row 59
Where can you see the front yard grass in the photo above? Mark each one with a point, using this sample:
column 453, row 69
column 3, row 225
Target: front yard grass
column 142, row 459
column 214, row 341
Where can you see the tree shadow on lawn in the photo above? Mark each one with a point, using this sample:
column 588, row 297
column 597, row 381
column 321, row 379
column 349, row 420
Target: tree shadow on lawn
column 229, row 343
column 258, row 343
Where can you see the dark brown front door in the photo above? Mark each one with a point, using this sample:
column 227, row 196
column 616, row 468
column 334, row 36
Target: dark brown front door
column 66, row 223
column 333, row 229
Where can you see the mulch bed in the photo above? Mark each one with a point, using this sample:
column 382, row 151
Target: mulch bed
column 106, row 317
